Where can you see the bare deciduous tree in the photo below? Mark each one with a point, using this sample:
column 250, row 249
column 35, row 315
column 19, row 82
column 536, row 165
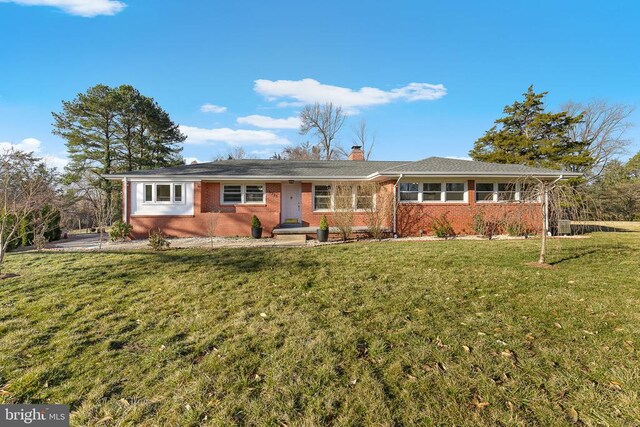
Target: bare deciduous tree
column 303, row 151
column 237, row 153
column 325, row 121
column 212, row 225
column 377, row 201
column 558, row 201
column 27, row 188
column 604, row 126
column 363, row 138
column 344, row 208
column 95, row 201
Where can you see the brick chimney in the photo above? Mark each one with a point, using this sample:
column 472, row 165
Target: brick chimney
column 356, row 153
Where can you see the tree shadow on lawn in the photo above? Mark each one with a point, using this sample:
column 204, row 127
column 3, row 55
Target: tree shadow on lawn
column 242, row 260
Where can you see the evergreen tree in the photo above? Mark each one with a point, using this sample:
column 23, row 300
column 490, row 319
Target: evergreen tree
column 529, row 135
column 112, row 130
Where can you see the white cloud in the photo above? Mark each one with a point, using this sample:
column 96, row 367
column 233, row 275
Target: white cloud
column 233, row 137
column 33, row 145
column 29, row 145
column 308, row 91
column 267, row 122
column 458, row 157
column 86, row 8
column 211, row 108
column 189, row 160
column 56, row 162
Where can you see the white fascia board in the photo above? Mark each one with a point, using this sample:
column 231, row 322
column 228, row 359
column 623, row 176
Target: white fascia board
column 269, row 178
column 483, row 175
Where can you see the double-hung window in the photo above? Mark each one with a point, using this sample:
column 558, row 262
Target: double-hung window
column 454, row 192
column 254, row 194
column 431, row 192
column 242, row 194
column 529, row 193
column 322, row 197
column 409, row 191
column 164, row 193
column 506, row 192
column 364, row 197
column 484, row 192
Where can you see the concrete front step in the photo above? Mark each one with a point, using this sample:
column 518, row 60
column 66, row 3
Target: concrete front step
column 291, row 237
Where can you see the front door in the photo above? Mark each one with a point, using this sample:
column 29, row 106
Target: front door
column 291, row 203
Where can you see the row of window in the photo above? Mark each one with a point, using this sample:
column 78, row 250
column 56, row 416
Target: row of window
column 456, row 192
column 326, row 197
column 357, row 197
column 164, row 193
column 237, row 193
column 432, row 192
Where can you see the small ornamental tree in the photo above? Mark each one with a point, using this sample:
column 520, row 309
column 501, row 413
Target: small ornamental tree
column 324, row 225
column 344, row 209
column 28, row 192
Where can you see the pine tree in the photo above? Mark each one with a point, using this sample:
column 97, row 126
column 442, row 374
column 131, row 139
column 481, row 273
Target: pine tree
column 529, row 135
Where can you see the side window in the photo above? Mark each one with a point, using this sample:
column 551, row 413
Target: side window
column 431, row 192
column 409, row 191
column 454, row 191
column 484, row 192
column 148, row 193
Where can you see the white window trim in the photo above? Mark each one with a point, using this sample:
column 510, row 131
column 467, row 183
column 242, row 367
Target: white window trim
column 154, row 195
column 443, row 192
column 243, row 193
column 354, row 200
column 313, row 197
column 517, row 196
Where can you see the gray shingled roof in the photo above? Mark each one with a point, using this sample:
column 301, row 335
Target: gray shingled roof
column 273, row 168
column 443, row 165
column 339, row 169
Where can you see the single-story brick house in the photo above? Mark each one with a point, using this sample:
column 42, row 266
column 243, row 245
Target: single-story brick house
column 182, row 200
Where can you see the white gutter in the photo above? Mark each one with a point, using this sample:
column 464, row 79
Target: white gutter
column 395, row 206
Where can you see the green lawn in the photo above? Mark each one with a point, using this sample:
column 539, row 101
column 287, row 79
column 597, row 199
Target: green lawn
column 391, row 333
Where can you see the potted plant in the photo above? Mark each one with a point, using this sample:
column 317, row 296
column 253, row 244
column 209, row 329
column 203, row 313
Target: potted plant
column 256, row 227
column 323, row 229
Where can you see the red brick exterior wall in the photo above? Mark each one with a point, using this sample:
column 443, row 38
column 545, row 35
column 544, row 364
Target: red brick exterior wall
column 416, row 219
column 230, row 220
column 413, row 219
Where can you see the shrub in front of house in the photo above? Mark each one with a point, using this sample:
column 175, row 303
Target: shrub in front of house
column 442, row 227
column 119, row 231
column 157, row 240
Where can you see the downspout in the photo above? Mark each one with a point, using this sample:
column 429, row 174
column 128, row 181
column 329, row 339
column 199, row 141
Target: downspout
column 395, row 206
column 125, row 195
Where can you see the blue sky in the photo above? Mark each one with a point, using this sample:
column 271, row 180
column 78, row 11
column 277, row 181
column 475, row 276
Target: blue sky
column 435, row 74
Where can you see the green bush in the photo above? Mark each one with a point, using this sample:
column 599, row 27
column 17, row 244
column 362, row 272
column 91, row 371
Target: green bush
column 442, row 227
column 157, row 240
column 119, row 231
column 53, row 230
column 255, row 222
column 324, row 225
